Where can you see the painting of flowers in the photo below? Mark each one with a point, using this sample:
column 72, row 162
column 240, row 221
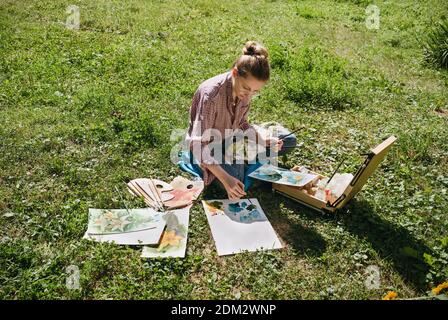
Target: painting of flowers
column 110, row 221
column 174, row 239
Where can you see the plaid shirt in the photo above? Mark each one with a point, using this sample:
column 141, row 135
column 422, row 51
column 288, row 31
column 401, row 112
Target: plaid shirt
column 213, row 108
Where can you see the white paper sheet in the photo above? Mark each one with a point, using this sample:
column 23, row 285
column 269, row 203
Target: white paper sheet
column 239, row 225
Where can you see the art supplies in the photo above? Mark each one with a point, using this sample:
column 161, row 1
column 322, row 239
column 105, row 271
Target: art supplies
column 274, row 129
column 239, row 225
column 330, row 194
column 153, row 191
column 293, row 132
column 183, row 192
column 147, row 226
column 159, row 195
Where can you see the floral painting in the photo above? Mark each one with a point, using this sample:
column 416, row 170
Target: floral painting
column 173, row 242
column 110, row 221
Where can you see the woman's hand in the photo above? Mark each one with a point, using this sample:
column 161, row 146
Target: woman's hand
column 275, row 143
column 234, row 187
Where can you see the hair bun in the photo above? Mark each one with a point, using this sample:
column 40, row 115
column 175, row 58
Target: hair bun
column 252, row 48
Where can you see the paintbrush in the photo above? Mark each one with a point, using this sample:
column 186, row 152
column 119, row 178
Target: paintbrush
column 122, row 199
column 292, row 132
column 146, row 196
column 157, row 196
column 337, row 168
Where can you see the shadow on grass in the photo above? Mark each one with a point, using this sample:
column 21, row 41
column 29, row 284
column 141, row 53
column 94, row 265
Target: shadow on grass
column 391, row 241
column 302, row 239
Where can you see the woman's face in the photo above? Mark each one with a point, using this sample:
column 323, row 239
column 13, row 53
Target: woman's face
column 246, row 87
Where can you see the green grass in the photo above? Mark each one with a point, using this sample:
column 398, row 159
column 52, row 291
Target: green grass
column 83, row 111
column 436, row 47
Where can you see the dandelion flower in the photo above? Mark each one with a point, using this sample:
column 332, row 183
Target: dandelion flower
column 391, row 295
column 439, row 288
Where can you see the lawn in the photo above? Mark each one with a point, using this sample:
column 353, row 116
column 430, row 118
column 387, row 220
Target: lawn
column 82, row 111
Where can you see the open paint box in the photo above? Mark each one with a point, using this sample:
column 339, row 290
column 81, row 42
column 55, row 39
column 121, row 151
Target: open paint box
column 301, row 195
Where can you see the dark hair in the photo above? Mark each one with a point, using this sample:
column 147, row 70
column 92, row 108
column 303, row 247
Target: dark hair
column 254, row 61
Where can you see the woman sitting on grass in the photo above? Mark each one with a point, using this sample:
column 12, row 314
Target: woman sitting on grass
column 221, row 103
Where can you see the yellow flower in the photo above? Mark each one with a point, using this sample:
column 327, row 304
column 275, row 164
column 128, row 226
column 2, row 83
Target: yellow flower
column 439, row 288
column 169, row 238
column 391, row 295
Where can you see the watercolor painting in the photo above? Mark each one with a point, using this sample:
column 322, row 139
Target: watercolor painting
column 173, row 242
column 214, row 207
column 109, row 221
column 244, row 211
column 120, row 226
column 271, row 173
column 239, row 225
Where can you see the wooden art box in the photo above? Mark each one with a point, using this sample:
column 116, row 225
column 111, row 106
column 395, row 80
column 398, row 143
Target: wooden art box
column 373, row 159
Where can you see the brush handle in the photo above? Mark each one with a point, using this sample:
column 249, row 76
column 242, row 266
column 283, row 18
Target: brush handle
column 292, row 132
column 340, row 164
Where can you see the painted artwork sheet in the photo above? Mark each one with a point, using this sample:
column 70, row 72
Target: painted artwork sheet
column 275, row 174
column 239, row 225
column 126, row 227
column 174, row 239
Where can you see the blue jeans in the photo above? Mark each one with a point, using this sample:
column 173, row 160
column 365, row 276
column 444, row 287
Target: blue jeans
column 239, row 171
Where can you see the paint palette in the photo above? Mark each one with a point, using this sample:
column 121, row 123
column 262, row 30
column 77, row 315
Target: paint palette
column 158, row 194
